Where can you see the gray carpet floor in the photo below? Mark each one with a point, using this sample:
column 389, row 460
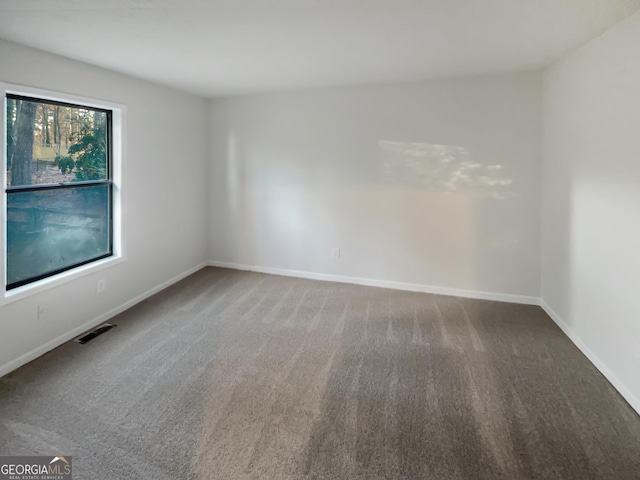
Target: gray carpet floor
column 239, row 375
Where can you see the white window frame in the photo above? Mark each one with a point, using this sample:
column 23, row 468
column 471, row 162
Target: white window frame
column 117, row 166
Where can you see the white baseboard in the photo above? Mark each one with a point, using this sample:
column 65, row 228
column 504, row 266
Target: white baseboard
column 412, row 287
column 65, row 337
column 500, row 297
column 593, row 358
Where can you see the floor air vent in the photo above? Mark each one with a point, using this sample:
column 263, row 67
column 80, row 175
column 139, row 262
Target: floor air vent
column 94, row 333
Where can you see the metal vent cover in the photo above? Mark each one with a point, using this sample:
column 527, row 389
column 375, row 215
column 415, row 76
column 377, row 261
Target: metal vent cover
column 87, row 337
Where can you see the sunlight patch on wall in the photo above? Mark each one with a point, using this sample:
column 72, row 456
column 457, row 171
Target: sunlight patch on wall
column 445, row 167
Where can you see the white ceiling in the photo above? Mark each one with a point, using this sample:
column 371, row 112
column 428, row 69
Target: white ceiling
column 228, row 47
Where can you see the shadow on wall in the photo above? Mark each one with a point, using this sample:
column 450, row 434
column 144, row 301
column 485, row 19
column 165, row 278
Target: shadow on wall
column 443, row 167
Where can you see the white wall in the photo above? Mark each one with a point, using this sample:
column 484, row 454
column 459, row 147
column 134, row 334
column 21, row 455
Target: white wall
column 591, row 201
column 431, row 184
column 166, row 198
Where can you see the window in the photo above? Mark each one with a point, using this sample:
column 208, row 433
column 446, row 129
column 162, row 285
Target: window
column 59, row 187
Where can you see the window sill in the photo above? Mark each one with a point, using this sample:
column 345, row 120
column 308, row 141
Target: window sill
column 57, row 280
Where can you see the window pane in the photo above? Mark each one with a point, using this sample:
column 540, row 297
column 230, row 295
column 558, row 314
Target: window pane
column 55, row 229
column 49, row 143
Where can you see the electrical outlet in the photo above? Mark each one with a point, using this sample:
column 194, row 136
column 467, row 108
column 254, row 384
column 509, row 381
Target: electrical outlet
column 43, row 311
column 101, row 286
column 335, row 253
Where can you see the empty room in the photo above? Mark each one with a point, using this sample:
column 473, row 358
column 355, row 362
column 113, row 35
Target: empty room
column 320, row 239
